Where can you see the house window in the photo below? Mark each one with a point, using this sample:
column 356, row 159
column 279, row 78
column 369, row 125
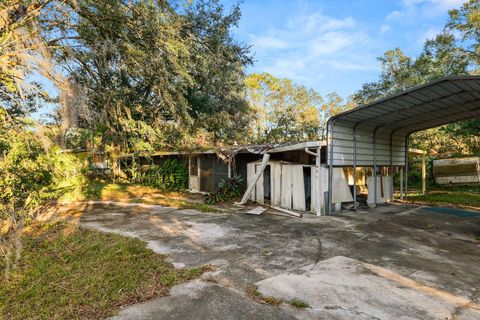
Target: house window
column 194, row 166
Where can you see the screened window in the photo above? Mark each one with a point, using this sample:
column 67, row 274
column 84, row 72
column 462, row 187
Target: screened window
column 194, row 166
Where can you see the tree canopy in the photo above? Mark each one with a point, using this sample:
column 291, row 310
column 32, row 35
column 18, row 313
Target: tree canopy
column 285, row 111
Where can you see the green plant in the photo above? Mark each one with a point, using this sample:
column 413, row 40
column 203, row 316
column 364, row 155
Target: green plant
column 25, row 171
column 171, row 175
column 228, row 189
column 30, row 174
column 299, row 304
column 252, row 292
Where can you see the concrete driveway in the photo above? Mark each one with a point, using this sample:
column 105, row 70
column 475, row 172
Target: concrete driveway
column 394, row 262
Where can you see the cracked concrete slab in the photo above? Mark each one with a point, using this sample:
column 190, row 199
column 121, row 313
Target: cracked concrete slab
column 201, row 300
column 437, row 251
column 345, row 288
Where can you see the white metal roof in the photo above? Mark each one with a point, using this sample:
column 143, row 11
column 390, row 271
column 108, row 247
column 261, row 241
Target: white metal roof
column 381, row 127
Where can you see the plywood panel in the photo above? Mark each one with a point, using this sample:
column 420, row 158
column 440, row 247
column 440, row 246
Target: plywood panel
column 384, row 189
column 324, row 187
column 275, row 185
column 250, row 178
column 298, row 188
column 341, row 190
column 259, row 196
column 286, row 195
column 313, row 205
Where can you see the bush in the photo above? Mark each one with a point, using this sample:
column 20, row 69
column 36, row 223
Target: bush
column 29, row 174
column 171, row 175
column 228, row 189
column 24, row 172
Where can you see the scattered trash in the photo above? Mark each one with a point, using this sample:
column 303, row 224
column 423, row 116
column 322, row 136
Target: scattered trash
column 257, row 210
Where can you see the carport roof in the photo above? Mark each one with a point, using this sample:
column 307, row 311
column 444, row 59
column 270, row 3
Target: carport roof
column 440, row 102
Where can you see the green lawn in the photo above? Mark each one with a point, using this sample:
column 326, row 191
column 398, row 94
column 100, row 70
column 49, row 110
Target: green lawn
column 458, row 196
column 96, row 190
column 66, row 272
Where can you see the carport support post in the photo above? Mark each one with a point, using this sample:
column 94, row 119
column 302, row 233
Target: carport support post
column 319, row 182
column 330, row 166
column 355, row 167
column 406, row 164
column 401, row 183
column 375, row 167
column 424, row 174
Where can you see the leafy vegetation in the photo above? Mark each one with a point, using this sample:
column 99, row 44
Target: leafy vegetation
column 29, row 174
column 171, row 175
column 228, row 189
column 66, row 272
column 252, row 292
column 299, row 304
column 284, row 111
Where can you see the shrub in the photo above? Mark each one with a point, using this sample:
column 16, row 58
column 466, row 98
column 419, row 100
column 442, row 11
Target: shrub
column 24, row 173
column 29, row 174
column 228, row 189
column 171, row 175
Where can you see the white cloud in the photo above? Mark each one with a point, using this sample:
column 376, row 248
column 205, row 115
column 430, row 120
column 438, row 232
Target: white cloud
column 441, row 4
column 428, row 34
column 385, row 28
column 395, row 15
column 318, row 22
column 268, row 42
column 349, row 65
column 412, row 9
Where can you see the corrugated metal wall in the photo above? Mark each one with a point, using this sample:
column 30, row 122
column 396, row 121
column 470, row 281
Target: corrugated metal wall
column 390, row 149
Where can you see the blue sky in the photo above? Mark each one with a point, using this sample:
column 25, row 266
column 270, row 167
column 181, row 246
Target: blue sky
column 333, row 45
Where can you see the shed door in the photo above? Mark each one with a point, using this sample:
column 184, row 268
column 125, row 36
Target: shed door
column 206, row 174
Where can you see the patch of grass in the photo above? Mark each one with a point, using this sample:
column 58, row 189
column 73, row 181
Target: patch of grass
column 98, row 190
column 177, row 203
column 252, row 292
column 463, row 197
column 66, row 272
column 299, row 304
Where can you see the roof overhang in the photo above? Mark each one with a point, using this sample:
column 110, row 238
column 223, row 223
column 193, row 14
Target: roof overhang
column 298, row 146
column 384, row 125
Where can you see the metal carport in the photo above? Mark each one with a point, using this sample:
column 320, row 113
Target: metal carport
column 377, row 134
